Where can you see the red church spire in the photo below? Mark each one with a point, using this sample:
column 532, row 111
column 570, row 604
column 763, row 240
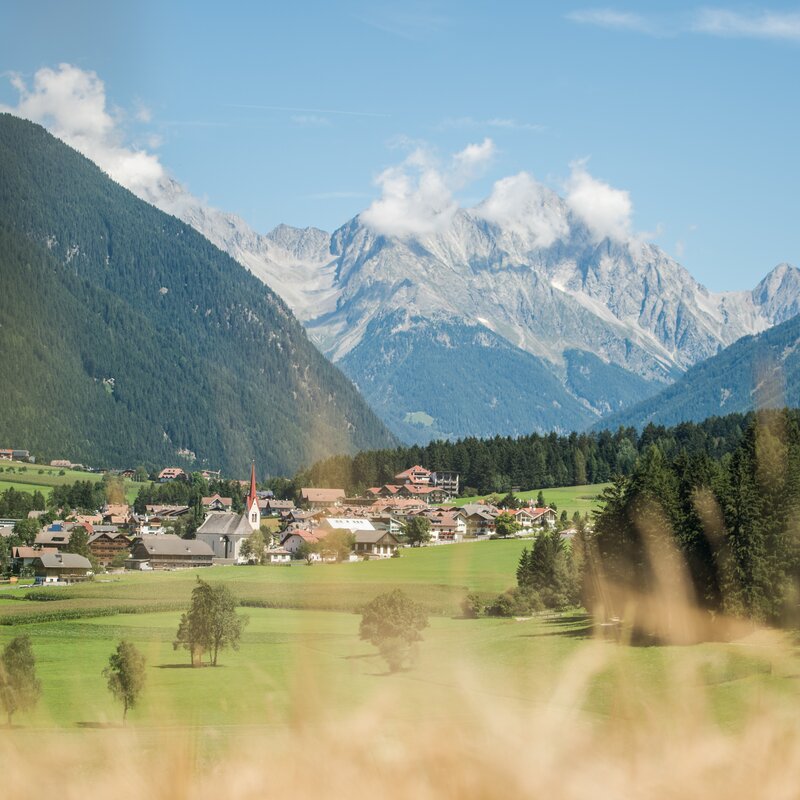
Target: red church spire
column 251, row 496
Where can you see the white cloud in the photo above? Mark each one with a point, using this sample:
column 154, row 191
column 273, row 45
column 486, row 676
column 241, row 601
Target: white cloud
column 606, row 211
column 521, row 205
column 71, row 104
column 417, row 195
column 614, row 20
column 722, row 22
column 755, row 25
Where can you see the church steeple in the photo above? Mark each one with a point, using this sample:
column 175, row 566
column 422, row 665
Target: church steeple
column 251, row 502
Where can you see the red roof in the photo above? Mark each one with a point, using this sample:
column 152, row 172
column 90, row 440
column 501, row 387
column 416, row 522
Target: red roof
column 416, row 468
column 252, row 496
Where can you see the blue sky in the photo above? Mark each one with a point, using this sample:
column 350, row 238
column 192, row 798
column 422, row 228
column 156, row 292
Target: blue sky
column 289, row 112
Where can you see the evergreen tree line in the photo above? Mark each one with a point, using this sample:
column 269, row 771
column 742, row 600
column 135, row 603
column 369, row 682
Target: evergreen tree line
column 730, row 523
column 541, row 461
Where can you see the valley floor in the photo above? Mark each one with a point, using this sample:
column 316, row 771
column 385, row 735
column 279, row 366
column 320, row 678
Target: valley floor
column 490, row 707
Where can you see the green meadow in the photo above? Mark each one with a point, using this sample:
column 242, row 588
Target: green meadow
column 438, row 577
column 301, row 658
column 569, row 498
column 39, row 477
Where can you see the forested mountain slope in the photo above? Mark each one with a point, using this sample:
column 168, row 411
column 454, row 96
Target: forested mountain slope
column 127, row 337
column 760, row 371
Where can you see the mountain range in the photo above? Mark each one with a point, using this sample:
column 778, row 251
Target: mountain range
column 499, row 322
column 127, row 337
column 761, row 371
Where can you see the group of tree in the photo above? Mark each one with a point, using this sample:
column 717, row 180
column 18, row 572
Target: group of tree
column 334, row 546
column 20, row 688
column 731, row 525
column 499, row 463
column 210, row 624
column 15, row 504
column 188, row 492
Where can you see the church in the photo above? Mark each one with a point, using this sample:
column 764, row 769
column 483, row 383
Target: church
column 224, row 531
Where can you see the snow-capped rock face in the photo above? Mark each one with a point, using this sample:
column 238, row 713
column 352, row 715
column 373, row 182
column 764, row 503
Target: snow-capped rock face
column 627, row 302
column 536, row 276
column 778, row 294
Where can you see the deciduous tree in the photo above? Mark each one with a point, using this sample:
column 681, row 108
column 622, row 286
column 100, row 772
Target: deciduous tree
column 418, row 531
column 393, row 623
column 125, row 675
column 19, row 686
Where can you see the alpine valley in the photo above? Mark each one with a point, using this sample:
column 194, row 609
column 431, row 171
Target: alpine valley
column 514, row 316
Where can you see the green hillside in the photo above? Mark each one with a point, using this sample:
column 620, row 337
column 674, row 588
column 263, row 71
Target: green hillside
column 443, row 380
column 760, row 371
column 127, row 337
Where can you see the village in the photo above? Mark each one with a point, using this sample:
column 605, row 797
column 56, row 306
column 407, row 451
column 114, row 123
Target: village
column 321, row 525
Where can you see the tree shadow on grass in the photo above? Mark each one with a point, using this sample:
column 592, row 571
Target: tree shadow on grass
column 577, row 626
column 98, row 725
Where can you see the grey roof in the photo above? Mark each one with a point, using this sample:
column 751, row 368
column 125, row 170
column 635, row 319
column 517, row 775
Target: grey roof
column 373, row 537
column 115, row 534
column 225, row 523
column 167, row 544
column 67, row 560
column 472, row 508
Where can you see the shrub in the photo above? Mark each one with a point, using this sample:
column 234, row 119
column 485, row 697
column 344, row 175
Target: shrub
column 471, row 606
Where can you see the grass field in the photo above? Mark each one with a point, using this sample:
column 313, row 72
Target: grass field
column 569, row 498
column 313, row 663
column 32, row 477
column 303, row 629
column 528, row 707
column 438, row 577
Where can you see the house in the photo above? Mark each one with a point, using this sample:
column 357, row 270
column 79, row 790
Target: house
column 416, row 474
column 386, row 522
column 270, row 507
column 56, row 535
column 116, row 513
column 166, row 510
column 25, row 556
column 447, row 482
column 375, row 544
column 293, row 540
column 61, row 568
column 481, row 521
column 351, row 524
column 299, row 519
column 278, row 555
column 319, row 498
column 539, row 517
column 6, row 454
column 6, row 529
column 224, row 531
column 429, row 494
column 88, row 519
column 217, row 503
column 172, row 474
column 105, row 546
column 168, row 551
column 446, row 527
